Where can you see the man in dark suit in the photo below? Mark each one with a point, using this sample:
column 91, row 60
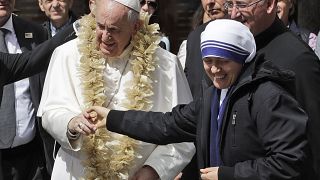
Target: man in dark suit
column 22, row 154
column 59, row 15
column 20, row 144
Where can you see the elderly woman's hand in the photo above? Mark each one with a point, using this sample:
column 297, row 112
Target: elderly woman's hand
column 210, row 173
column 97, row 115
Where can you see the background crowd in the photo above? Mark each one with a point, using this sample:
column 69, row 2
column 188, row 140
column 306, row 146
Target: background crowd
column 28, row 151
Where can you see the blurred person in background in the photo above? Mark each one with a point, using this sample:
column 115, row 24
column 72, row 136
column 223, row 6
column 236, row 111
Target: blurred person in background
column 59, row 14
column 286, row 12
column 152, row 8
column 199, row 18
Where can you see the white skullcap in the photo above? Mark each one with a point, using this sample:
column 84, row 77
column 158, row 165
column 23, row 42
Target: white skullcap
column 228, row 39
column 132, row 4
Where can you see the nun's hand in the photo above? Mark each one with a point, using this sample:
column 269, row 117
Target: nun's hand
column 210, row 173
column 97, row 115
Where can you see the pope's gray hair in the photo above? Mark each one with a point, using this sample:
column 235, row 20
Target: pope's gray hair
column 133, row 16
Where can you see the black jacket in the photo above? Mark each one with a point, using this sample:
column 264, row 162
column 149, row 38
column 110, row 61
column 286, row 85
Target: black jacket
column 193, row 67
column 263, row 130
column 286, row 50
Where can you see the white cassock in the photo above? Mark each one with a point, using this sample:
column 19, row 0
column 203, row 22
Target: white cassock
column 62, row 100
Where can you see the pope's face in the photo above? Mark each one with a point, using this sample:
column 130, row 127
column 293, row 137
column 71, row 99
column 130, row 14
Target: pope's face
column 6, row 8
column 222, row 72
column 114, row 30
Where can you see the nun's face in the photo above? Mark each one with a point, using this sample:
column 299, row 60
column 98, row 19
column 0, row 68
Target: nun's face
column 222, row 72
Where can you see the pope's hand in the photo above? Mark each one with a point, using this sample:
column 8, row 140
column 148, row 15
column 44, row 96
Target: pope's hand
column 98, row 116
column 210, row 173
column 80, row 124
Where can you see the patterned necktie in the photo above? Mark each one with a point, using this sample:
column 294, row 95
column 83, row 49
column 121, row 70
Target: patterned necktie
column 7, row 109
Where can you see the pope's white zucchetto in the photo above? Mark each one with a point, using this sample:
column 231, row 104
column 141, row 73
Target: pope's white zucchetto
column 132, row 4
column 228, row 39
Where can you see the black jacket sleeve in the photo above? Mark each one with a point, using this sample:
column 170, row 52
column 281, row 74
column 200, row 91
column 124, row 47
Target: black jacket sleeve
column 156, row 127
column 18, row 66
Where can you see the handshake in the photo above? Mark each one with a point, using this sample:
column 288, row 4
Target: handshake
column 88, row 122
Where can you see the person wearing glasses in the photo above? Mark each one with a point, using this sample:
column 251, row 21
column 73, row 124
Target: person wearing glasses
column 286, row 50
column 152, row 8
column 246, row 124
column 149, row 6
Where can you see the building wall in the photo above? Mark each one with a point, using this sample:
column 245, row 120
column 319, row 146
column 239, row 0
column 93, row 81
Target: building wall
column 175, row 20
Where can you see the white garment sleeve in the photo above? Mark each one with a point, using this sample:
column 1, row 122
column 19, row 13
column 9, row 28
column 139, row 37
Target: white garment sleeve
column 169, row 160
column 59, row 102
column 182, row 53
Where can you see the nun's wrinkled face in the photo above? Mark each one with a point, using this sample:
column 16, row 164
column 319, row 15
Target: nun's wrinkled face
column 222, row 72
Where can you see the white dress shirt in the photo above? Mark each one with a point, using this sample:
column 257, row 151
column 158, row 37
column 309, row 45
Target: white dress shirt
column 25, row 115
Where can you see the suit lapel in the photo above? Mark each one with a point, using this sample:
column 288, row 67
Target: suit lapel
column 24, row 36
column 26, row 42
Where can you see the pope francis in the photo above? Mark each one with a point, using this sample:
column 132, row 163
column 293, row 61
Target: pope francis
column 120, row 66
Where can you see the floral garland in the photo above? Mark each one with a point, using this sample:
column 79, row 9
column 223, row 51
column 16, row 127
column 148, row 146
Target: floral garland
column 104, row 161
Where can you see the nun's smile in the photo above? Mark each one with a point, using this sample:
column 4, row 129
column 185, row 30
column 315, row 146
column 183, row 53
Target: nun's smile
column 223, row 72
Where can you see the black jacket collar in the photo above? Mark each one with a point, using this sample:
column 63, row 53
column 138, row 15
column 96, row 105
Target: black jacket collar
column 264, row 38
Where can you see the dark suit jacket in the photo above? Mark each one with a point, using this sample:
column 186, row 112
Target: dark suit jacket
column 288, row 51
column 194, row 68
column 14, row 67
column 29, row 35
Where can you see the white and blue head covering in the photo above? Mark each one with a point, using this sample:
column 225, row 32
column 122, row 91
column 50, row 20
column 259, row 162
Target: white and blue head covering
column 228, row 39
